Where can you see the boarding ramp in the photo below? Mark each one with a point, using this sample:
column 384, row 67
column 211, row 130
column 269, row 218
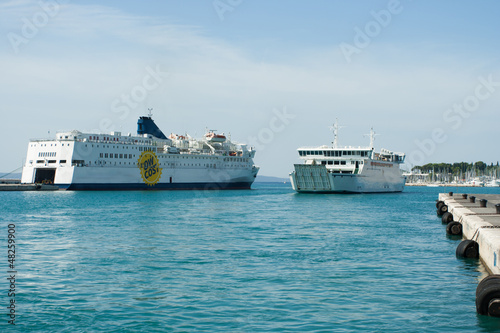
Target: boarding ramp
column 312, row 178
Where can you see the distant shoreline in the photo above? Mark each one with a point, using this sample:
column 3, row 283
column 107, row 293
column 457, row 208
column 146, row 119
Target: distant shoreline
column 271, row 179
column 442, row 185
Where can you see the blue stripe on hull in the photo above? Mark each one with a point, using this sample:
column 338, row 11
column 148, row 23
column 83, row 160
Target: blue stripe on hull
column 159, row 186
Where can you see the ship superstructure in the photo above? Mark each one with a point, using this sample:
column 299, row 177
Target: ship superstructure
column 334, row 169
column 148, row 160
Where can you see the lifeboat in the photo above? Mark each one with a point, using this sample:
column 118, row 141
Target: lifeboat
column 177, row 137
column 212, row 137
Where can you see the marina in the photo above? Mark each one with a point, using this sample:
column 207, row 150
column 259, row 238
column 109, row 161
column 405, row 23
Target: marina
column 462, row 174
column 443, row 185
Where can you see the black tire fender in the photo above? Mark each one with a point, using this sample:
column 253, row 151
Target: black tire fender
column 486, row 281
column 442, row 209
column 454, row 228
column 447, row 218
column 468, row 249
column 486, row 291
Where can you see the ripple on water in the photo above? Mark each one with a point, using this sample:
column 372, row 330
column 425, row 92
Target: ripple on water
column 265, row 260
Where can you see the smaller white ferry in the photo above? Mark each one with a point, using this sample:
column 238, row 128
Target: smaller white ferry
column 334, row 169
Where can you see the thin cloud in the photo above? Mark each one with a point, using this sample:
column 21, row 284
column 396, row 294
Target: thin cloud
column 89, row 55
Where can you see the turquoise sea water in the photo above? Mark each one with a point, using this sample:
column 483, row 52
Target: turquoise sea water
column 261, row 260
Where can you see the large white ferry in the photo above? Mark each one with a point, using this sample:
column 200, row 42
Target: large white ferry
column 348, row 169
column 148, row 160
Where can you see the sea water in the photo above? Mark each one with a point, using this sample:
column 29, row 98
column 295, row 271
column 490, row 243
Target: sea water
column 260, row 260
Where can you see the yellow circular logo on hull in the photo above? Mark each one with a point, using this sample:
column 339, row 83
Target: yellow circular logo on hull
column 150, row 168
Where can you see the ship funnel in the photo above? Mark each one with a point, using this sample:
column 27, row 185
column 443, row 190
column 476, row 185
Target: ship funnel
column 146, row 125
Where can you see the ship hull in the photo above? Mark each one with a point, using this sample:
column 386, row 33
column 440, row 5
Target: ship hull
column 317, row 179
column 130, row 178
column 158, row 187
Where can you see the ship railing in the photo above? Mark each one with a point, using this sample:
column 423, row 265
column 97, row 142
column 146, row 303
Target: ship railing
column 42, row 140
column 391, row 158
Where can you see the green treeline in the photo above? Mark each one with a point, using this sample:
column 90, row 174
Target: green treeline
column 460, row 169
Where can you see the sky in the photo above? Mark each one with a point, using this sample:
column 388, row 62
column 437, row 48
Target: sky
column 274, row 74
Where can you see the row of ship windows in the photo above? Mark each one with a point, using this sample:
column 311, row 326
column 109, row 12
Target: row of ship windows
column 126, row 147
column 335, row 153
column 75, row 162
column 338, row 162
column 104, row 146
column 128, row 141
column 226, row 159
column 49, row 161
column 235, row 159
column 152, row 149
column 46, row 154
column 161, row 164
column 83, row 163
column 79, row 162
column 129, row 156
column 111, row 155
column 106, row 155
column 45, row 145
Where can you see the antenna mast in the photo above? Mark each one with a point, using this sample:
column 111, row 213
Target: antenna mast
column 335, row 129
column 372, row 138
column 150, row 112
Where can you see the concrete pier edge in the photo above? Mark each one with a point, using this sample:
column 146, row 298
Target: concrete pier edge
column 28, row 187
column 479, row 224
